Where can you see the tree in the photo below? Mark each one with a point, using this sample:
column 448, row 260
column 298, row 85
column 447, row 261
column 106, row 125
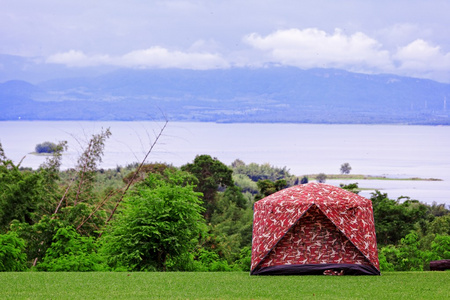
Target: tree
column 157, row 168
column 231, row 225
column 394, row 220
column 352, row 187
column 212, row 175
column 21, row 194
column 267, row 187
column 321, row 177
column 258, row 172
column 245, row 184
column 46, row 147
column 160, row 218
column 345, row 168
column 304, row 180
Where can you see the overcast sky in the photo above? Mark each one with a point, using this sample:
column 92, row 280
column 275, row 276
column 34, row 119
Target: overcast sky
column 404, row 37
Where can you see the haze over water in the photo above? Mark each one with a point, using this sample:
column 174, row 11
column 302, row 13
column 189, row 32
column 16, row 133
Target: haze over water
column 389, row 150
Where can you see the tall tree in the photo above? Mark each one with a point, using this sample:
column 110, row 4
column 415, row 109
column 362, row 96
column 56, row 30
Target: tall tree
column 212, row 175
column 345, row 168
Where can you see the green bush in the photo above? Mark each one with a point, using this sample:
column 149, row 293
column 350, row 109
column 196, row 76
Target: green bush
column 159, row 221
column 245, row 259
column 12, row 253
column 209, row 261
column 71, row 252
column 441, row 246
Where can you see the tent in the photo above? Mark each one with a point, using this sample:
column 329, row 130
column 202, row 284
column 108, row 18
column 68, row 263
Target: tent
column 314, row 228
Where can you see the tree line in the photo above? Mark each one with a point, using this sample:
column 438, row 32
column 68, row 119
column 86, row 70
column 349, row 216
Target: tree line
column 157, row 217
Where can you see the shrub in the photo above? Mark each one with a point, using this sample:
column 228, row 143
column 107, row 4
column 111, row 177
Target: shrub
column 159, row 220
column 71, row 252
column 12, row 253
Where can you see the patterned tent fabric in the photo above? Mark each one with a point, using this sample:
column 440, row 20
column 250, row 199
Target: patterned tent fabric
column 312, row 228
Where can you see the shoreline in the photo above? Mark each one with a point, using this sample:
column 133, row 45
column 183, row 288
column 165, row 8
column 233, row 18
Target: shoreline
column 369, row 177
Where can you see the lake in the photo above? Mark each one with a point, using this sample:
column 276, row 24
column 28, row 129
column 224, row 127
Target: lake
column 399, row 151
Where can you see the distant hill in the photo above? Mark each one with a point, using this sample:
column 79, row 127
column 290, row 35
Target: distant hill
column 275, row 94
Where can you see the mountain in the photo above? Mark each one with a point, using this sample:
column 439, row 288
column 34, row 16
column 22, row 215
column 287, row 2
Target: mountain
column 273, row 94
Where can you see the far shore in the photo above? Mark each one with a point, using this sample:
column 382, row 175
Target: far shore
column 369, row 177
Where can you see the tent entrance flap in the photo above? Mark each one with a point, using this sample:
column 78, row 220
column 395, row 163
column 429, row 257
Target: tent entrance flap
column 314, row 239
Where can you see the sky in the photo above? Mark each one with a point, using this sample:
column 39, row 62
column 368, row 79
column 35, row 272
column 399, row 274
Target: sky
column 403, row 37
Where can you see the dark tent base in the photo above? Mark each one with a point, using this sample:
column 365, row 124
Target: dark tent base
column 316, row 269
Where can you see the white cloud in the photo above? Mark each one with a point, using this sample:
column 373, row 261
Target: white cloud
column 421, row 56
column 154, row 57
column 312, row 47
column 158, row 57
column 304, row 48
column 75, row 58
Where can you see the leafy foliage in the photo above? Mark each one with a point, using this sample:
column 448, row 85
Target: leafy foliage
column 72, row 252
column 345, row 168
column 212, row 175
column 12, row 253
column 409, row 256
column 394, row 220
column 230, row 227
column 160, row 219
column 245, row 183
column 52, row 220
column 21, row 194
column 352, row 187
column 267, row 187
column 157, row 168
column 265, row 171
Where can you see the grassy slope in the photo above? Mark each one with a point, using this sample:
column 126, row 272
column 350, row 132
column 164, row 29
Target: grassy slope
column 405, row 285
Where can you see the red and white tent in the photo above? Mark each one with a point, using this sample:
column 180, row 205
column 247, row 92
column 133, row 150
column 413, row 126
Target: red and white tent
column 314, row 229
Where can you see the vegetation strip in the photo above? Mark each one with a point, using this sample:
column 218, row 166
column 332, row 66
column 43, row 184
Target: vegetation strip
column 197, row 217
column 368, row 177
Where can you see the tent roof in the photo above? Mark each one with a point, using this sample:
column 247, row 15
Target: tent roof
column 349, row 212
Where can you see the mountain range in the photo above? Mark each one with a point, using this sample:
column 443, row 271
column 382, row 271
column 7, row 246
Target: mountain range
column 271, row 94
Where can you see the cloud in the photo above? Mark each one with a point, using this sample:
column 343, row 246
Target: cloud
column 312, row 47
column 421, row 56
column 158, row 57
column 75, row 58
column 154, row 57
column 303, row 48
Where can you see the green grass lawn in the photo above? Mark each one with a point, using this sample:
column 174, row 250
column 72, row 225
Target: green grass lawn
column 235, row 285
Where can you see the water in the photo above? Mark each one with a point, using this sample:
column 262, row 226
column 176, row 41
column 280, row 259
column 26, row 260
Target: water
column 388, row 150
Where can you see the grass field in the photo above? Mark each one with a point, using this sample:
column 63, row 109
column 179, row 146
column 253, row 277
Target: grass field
column 235, row 285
